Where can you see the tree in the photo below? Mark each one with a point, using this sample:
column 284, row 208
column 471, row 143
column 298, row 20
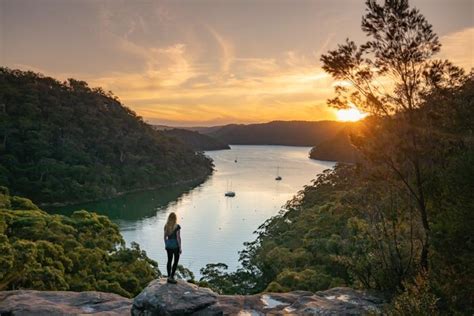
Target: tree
column 390, row 76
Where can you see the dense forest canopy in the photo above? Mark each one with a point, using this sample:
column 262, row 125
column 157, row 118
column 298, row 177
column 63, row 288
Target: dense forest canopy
column 83, row 252
column 65, row 142
column 400, row 221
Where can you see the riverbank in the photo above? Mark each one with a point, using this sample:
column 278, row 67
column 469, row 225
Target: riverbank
column 192, row 182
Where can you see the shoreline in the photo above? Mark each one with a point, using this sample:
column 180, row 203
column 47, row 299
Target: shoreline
column 197, row 181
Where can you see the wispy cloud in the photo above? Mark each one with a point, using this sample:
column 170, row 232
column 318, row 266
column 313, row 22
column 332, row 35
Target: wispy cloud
column 227, row 50
column 458, row 47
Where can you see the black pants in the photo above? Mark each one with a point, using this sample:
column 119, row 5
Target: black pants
column 172, row 253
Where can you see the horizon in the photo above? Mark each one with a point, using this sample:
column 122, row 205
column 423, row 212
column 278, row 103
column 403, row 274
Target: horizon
column 186, row 64
column 257, row 123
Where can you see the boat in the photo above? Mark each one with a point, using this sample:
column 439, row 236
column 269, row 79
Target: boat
column 278, row 177
column 229, row 193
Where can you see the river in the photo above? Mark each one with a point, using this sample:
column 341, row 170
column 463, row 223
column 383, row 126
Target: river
column 214, row 227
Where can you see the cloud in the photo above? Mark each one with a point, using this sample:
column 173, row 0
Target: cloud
column 458, row 47
column 201, row 79
column 227, row 50
column 174, row 87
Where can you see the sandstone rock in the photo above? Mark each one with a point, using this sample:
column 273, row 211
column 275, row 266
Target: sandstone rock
column 27, row 302
column 162, row 298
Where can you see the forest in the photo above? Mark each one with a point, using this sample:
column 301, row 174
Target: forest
column 83, row 252
column 63, row 142
column 399, row 221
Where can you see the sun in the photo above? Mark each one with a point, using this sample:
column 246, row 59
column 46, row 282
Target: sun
column 350, row 115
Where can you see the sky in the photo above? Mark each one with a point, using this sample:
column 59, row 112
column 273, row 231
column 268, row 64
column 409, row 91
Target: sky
column 205, row 62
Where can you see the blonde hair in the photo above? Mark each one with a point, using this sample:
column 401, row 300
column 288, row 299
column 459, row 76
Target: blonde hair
column 170, row 224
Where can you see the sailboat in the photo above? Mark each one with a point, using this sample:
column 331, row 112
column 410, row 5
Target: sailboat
column 278, row 177
column 229, row 193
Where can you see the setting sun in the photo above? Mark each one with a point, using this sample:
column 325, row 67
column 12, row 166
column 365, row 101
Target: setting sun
column 350, row 115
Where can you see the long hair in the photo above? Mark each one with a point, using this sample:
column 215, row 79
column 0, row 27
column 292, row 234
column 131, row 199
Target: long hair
column 170, row 224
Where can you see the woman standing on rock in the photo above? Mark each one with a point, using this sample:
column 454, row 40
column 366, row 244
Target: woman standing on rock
column 172, row 244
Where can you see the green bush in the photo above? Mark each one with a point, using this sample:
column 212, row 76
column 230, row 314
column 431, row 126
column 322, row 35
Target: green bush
column 83, row 252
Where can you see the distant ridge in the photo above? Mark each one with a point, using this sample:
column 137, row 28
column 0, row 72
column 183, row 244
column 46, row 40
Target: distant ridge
column 290, row 133
column 195, row 140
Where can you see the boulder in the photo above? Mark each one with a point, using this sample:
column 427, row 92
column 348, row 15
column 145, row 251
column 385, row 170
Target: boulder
column 162, row 298
column 38, row 303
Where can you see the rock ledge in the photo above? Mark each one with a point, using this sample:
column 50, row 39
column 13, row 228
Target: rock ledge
column 28, row 302
column 160, row 298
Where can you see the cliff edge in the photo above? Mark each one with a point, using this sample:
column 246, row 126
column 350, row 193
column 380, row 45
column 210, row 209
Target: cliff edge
column 161, row 298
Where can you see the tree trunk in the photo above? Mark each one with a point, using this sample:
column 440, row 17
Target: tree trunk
column 421, row 197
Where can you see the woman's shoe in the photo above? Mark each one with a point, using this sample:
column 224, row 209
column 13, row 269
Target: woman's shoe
column 172, row 280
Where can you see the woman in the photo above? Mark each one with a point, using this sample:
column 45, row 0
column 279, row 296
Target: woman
column 172, row 244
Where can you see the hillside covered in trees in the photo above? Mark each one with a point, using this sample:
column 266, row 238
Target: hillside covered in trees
column 290, row 133
column 337, row 148
column 195, row 140
column 83, row 252
column 64, row 142
column 399, row 221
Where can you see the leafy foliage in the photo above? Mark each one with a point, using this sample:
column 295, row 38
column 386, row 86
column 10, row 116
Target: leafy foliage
column 83, row 252
column 391, row 75
column 65, row 142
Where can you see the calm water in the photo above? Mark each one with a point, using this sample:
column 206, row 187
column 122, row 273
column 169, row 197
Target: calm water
column 214, row 227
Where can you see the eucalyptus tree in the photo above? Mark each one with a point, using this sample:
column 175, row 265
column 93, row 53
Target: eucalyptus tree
column 390, row 76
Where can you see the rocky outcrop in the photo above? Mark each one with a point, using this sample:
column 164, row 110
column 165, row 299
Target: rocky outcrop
column 161, row 298
column 52, row 303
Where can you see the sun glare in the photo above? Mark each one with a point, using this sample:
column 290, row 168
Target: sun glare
column 350, row 115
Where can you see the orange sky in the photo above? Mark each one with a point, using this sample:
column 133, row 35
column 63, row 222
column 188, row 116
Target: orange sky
column 205, row 62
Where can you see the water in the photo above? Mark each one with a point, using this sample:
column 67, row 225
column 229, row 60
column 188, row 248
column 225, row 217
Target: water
column 214, row 227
